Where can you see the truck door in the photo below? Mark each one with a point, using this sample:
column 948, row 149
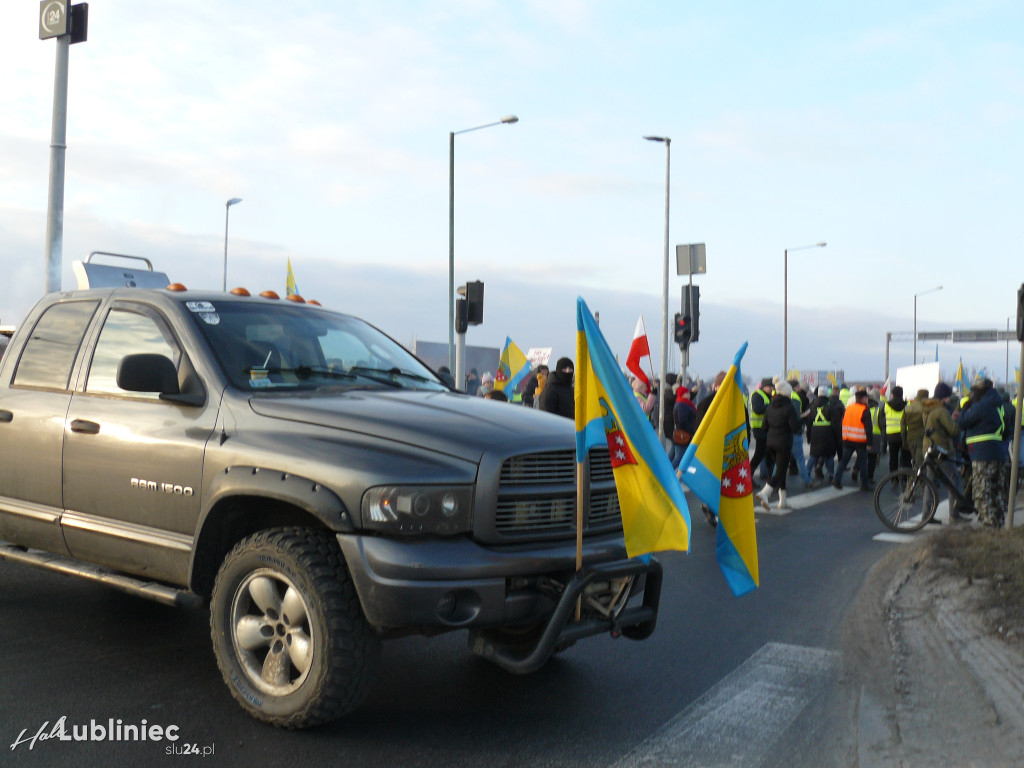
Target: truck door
column 35, row 391
column 133, row 462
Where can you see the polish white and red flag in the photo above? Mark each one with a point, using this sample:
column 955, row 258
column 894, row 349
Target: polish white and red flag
column 638, row 350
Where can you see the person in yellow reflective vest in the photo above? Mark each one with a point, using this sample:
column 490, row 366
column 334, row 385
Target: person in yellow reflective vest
column 759, row 400
column 984, row 422
column 856, row 428
column 875, row 439
column 893, row 413
column 801, row 404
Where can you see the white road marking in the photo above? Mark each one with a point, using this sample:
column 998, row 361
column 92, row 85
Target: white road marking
column 739, row 719
column 895, row 538
column 941, row 514
column 811, row 498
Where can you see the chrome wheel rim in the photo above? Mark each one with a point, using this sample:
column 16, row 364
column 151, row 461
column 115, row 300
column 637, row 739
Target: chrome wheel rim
column 270, row 631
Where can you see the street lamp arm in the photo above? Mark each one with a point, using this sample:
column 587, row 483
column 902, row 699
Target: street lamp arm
column 507, row 120
column 806, row 247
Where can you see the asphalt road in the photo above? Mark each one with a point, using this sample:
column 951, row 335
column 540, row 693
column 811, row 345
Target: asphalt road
column 748, row 681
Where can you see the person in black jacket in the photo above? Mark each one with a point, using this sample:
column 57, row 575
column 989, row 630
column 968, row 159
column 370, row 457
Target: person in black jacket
column 783, row 424
column 668, row 401
column 558, row 396
column 684, row 416
column 825, row 427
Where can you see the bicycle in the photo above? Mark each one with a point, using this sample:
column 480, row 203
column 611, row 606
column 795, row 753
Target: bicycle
column 906, row 500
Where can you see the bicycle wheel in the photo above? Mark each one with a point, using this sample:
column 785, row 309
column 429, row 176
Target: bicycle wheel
column 905, row 502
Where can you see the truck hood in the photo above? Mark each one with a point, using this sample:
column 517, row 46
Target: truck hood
column 457, row 425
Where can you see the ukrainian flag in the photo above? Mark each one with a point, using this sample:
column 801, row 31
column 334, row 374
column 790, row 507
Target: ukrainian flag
column 291, row 289
column 716, row 467
column 513, row 368
column 654, row 512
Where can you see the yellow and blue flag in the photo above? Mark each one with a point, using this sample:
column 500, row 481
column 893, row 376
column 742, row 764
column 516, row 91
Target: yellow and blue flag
column 960, row 382
column 716, row 467
column 654, row 512
column 291, row 289
column 513, row 368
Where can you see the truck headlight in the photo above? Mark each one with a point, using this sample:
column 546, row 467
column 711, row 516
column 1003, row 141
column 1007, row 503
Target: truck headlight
column 418, row 509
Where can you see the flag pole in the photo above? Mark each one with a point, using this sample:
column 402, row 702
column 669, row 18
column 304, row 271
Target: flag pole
column 581, row 489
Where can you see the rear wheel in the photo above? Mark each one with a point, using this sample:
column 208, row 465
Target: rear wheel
column 905, row 502
column 288, row 631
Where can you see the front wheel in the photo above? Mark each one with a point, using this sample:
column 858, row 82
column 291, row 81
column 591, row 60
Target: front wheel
column 288, row 632
column 905, row 502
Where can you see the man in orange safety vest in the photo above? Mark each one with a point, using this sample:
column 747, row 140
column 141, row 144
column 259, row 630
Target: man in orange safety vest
column 856, row 432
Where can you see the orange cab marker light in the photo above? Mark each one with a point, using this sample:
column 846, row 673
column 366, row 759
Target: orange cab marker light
column 314, row 302
column 240, row 291
column 176, row 287
column 269, row 295
column 296, row 298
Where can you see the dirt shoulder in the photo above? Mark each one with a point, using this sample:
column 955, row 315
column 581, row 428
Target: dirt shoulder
column 935, row 643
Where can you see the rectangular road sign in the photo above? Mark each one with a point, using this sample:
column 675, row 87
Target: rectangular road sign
column 975, row 336
column 691, row 259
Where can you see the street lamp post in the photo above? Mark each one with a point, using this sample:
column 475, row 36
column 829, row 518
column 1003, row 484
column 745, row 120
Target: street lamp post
column 922, row 293
column 785, row 303
column 227, row 209
column 664, row 296
column 507, row 120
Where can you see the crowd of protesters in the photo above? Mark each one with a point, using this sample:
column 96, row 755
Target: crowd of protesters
column 842, row 428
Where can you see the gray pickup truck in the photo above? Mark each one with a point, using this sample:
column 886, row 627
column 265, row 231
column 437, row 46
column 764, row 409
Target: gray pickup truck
column 310, row 480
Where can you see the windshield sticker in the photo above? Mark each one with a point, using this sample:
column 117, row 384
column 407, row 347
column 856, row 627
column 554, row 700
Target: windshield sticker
column 210, row 318
column 200, row 306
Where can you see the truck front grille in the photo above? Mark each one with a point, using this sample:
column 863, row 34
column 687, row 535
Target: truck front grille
column 537, row 496
column 539, row 468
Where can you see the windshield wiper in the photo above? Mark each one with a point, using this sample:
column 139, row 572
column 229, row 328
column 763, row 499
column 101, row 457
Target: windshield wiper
column 414, row 376
column 366, row 372
column 395, row 372
column 302, row 371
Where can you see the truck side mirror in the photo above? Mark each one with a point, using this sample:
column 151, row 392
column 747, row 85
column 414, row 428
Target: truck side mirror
column 147, row 373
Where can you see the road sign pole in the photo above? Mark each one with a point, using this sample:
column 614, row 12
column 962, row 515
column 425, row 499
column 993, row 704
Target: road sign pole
column 1015, row 444
column 58, row 149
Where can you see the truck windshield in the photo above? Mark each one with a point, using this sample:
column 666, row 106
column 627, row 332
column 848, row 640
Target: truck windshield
column 264, row 346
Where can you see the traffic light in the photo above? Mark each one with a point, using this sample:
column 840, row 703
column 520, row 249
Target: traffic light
column 474, row 303
column 691, row 307
column 683, row 330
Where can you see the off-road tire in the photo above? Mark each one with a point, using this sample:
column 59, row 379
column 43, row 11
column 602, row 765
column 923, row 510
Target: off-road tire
column 300, row 570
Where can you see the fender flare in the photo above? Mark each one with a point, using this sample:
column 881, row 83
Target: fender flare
column 299, row 491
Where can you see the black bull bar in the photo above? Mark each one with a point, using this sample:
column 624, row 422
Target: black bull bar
column 635, row 622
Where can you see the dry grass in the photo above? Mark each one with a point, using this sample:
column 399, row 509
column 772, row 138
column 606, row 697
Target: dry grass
column 993, row 561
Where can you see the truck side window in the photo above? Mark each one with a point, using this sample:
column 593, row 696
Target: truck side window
column 50, row 352
column 127, row 332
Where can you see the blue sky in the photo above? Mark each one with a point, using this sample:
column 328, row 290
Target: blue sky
column 890, row 130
